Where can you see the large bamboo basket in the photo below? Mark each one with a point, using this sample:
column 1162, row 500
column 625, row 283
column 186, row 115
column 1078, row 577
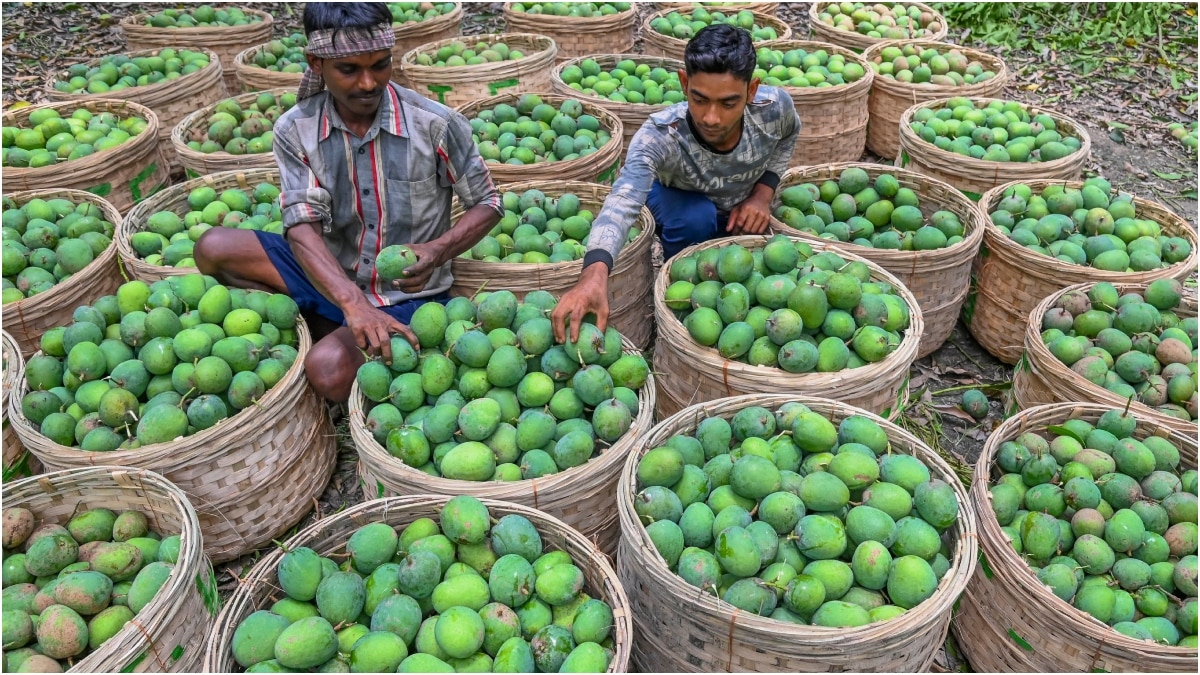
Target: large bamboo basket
column 252, row 78
column 168, row 634
column 329, row 536
column 700, row 374
column 833, row 120
column 855, row 40
column 1009, row 621
column 598, row 167
column 890, row 98
column 629, row 281
column 1009, row 280
column 196, row 163
column 764, row 7
column 975, row 176
column 250, row 478
column 657, row 44
column 26, row 320
column 224, row 41
column 582, row 497
column 679, row 628
column 124, row 175
column 17, row 462
column 578, row 35
column 171, row 100
column 411, row 35
column 632, row 115
column 456, row 85
column 1042, row 379
column 175, row 199
column 939, row 279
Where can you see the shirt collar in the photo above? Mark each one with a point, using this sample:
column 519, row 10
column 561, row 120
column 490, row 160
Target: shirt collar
column 389, row 117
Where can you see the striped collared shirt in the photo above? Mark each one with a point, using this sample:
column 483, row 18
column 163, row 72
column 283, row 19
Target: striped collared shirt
column 392, row 186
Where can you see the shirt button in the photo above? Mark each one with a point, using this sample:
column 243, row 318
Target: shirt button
column 366, row 191
column 362, row 151
column 363, row 286
column 371, row 226
column 366, row 261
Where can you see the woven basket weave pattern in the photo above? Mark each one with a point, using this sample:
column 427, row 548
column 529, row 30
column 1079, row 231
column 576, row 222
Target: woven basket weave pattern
column 224, row 41
column 252, row 78
column 17, row 462
column 657, row 44
column 411, row 35
column 456, row 85
column 632, row 115
column 578, row 36
column 204, row 163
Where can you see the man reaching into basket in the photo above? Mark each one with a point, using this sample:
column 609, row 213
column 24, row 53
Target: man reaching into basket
column 707, row 167
column 364, row 164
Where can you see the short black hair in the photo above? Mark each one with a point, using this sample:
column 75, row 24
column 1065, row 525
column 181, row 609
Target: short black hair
column 721, row 48
column 326, row 15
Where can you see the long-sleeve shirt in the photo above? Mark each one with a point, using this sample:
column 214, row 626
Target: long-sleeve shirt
column 392, row 186
column 667, row 150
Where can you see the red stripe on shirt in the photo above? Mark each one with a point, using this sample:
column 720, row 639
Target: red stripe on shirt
column 396, row 112
column 449, row 173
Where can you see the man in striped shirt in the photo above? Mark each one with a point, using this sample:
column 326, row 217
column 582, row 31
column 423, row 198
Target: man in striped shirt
column 364, row 164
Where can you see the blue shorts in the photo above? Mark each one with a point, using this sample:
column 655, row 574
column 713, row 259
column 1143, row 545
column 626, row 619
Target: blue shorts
column 684, row 218
column 310, row 300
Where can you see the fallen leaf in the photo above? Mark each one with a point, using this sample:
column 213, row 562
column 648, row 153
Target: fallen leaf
column 954, row 411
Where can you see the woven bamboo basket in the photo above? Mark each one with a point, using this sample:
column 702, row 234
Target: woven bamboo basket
column 26, row 320
column 456, row 85
column 1009, row 280
column 168, row 634
column 252, row 78
column 123, row 175
column 250, row 478
column 857, row 41
column 629, row 281
column 409, row 36
column 975, row 176
column 1042, row 378
column 224, row 41
column 196, row 163
column 578, row 35
column 657, row 44
column 833, row 120
column 175, row 199
column 598, row 167
column 17, row 462
column 1009, row 621
column 939, row 279
column 890, row 98
column 171, row 100
column 700, row 374
column 632, row 115
column 582, row 497
column 678, row 628
column 328, row 537
column 764, row 7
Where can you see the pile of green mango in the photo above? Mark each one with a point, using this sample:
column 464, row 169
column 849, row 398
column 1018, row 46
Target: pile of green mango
column 489, row 396
column 68, row 590
column 48, row 138
column 890, row 20
column 580, row 9
column 533, row 132
column 784, row 306
column 241, row 131
column 46, row 241
column 800, row 68
column 945, row 67
column 876, row 215
column 995, row 131
column 415, row 12
column 169, row 237
column 158, row 361
column 468, row 593
column 204, row 16
column 1138, row 345
column 458, row 54
column 783, row 513
column 628, row 82
column 1185, row 134
column 284, row 55
column 684, row 25
column 1107, row 521
column 118, row 72
column 538, row 229
column 1093, row 225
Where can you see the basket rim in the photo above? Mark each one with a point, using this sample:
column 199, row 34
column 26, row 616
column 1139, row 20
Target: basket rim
column 135, row 21
column 1047, row 267
column 187, row 123
column 910, row 142
column 974, row 226
column 214, row 65
column 403, row 30
column 814, row 13
column 846, row 88
column 575, row 23
column 635, row 537
column 767, row 21
column 96, row 159
column 989, row 528
column 14, row 370
column 556, row 79
column 546, row 43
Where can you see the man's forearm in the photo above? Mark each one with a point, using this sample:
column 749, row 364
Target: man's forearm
column 322, row 269
column 470, row 228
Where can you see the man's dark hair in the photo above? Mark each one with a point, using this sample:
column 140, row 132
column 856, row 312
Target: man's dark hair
column 721, row 48
column 325, row 15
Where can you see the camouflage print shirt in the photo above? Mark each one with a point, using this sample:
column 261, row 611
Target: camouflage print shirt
column 392, row 186
column 665, row 149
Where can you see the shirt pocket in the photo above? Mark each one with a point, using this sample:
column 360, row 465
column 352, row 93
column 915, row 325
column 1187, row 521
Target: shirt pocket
column 413, row 209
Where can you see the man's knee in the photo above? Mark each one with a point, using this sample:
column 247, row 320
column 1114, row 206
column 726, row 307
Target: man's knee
column 331, row 367
column 212, row 251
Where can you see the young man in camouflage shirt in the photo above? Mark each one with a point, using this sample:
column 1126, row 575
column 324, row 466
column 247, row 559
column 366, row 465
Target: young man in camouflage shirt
column 707, row 167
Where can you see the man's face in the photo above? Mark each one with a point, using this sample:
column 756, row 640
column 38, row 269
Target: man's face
column 716, row 102
column 356, row 82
